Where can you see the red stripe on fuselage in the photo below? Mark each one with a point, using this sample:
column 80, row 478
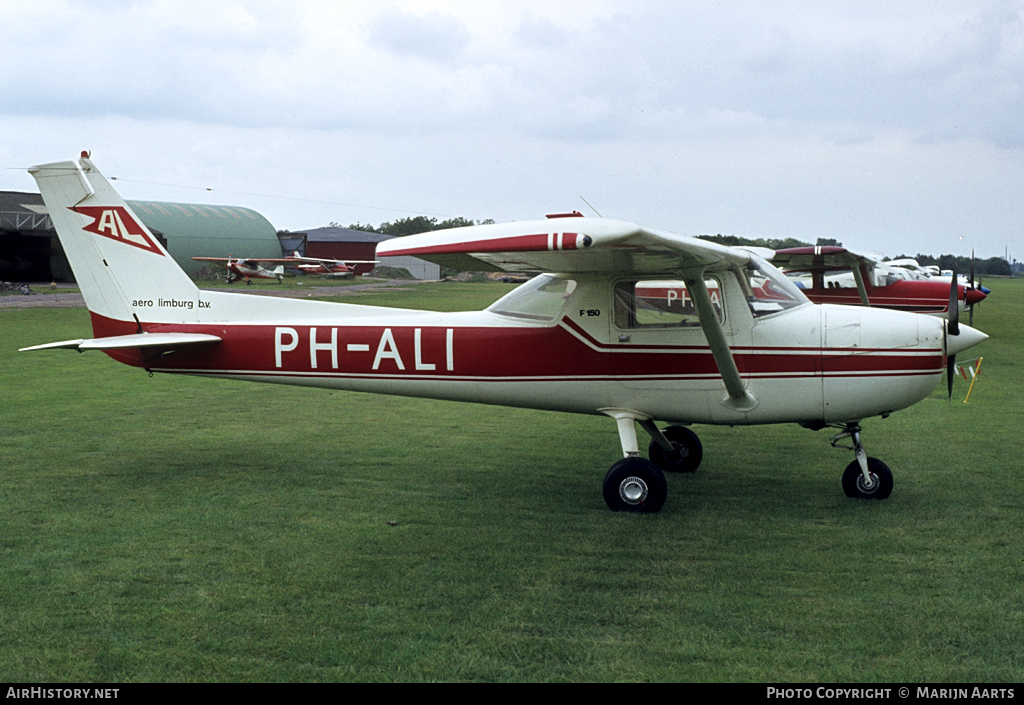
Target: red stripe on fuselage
column 561, row 352
column 918, row 296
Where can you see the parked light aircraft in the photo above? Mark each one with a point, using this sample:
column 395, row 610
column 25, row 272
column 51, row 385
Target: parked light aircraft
column 325, row 267
column 254, row 268
column 247, row 269
column 592, row 337
column 933, row 273
column 835, row 275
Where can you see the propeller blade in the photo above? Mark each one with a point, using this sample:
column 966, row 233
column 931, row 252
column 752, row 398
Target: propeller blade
column 970, row 306
column 954, row 306
column 950, row 371
column 952, row 328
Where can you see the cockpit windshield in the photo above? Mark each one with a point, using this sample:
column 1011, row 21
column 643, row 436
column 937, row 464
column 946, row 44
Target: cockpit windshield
column 540, row 299
column 769, row 290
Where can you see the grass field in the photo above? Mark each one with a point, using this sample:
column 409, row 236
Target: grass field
column 176, row 529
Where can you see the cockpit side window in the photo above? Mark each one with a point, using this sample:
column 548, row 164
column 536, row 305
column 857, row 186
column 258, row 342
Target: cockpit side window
column 661, row 303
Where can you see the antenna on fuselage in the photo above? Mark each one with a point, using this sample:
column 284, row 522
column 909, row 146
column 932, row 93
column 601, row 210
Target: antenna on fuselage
column 591, row 207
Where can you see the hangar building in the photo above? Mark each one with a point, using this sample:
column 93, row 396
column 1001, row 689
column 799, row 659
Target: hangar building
column 30, row 250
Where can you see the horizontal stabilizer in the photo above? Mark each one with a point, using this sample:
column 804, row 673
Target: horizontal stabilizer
column 138, row 340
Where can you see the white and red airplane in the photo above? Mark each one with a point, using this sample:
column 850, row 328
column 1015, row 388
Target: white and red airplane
column 835, row 275
column 580, row 340
column 254, row 268
column 325, row 267
column 247, row 269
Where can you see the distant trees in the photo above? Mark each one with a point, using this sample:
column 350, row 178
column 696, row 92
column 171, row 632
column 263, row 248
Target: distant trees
column 770, row 243
column 828, row 242
column 995, row 266
column 414, row 225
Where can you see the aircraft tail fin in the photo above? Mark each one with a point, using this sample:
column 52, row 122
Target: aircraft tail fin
column 122, row 269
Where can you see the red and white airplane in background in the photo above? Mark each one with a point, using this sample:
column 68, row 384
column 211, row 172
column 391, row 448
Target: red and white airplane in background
column 247, row 269
column 326, row 267
column 254, row 268
column 589, row 337
column 835, row 275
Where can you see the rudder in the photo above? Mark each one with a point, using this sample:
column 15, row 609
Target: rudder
column 120, row 266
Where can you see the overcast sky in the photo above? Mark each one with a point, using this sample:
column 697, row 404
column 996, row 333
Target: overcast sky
column 891, row 126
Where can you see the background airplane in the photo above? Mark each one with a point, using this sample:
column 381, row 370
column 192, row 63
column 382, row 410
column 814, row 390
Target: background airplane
column 579, row 341
column 247, row 269
column 835, row 275
column 935, row 274
column 325, row 267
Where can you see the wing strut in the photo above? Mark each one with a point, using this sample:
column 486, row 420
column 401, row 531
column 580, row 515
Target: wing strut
column 858, row 276
column 739, row 398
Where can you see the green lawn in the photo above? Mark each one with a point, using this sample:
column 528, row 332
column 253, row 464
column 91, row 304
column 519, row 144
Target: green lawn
column 176, row 529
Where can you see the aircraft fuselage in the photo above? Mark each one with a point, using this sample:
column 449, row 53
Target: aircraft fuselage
column 810, row 364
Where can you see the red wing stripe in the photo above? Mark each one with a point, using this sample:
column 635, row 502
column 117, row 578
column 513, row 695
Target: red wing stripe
column 540, row 242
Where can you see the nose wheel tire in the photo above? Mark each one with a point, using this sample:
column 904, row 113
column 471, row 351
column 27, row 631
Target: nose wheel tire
column 880, row 486
column 635, row 485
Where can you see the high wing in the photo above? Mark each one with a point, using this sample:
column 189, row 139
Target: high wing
column 217, row 260
column 294, row 259
column 565, row 245
column 825, row 259
column 320, row 260
column 591, row 245
column 224, row 261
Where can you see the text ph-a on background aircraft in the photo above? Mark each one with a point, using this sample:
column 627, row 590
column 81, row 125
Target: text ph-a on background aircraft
column 247, row 269
column 835, row 275
column 733, row 342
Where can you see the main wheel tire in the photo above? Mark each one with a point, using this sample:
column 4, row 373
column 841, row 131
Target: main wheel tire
column 854, row 485
column 635, row 485
column 687, row 454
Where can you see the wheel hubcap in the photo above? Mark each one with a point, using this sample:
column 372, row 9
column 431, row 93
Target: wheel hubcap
column 633, row 490
column 868, row 486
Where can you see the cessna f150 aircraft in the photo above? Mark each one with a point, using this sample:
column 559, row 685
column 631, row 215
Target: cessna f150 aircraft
column 635, row 324
column 835, row 275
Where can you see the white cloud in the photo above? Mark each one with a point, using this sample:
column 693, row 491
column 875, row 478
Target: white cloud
column 433, row 36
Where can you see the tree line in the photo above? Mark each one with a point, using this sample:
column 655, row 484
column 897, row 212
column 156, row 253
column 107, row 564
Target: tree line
column 414, row 225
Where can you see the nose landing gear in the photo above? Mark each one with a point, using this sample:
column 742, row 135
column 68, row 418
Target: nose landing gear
column 864, row 478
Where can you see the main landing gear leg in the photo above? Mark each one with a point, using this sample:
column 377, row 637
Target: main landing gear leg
column 864, row 478
column 633, row 484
